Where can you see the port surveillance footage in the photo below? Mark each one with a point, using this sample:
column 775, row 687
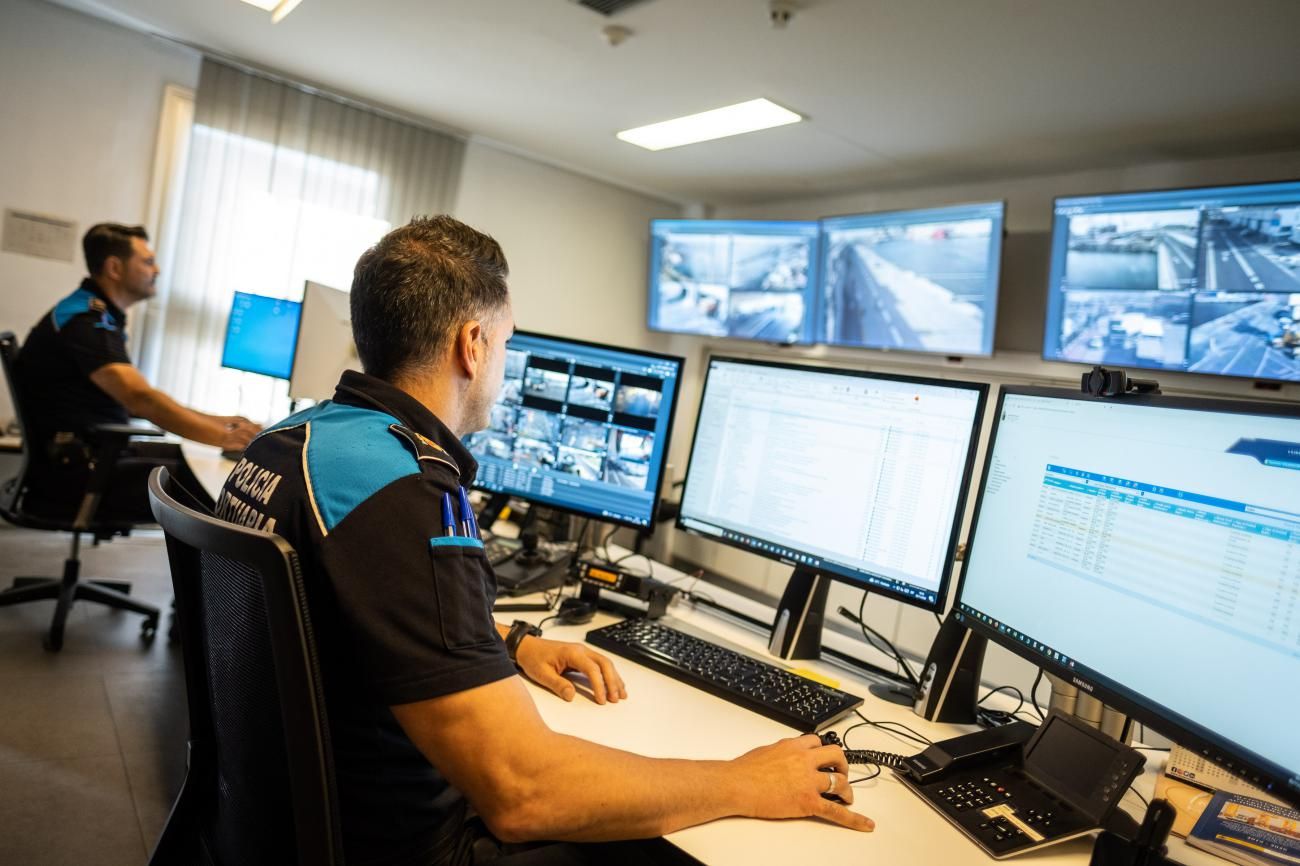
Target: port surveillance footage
column 745, row 279
column 1204, row 281
column 917, row 280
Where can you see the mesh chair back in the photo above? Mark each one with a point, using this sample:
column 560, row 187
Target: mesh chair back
column 260, row 785
column 12, row 490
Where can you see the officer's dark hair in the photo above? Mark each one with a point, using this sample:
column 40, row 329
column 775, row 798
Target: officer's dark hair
column 413, row 290
column 109, row 239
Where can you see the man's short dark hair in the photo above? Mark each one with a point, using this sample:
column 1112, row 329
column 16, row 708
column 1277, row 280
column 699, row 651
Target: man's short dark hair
column 109, row 239
column 414, row 289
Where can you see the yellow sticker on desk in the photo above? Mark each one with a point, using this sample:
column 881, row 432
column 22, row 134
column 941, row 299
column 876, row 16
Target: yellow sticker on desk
column 815, row 677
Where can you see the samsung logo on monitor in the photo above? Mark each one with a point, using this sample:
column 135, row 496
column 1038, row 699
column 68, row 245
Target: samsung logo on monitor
column 1087, row 687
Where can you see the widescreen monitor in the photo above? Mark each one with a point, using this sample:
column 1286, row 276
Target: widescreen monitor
column 1147, row 549
column 1196, row 280
column 261, row 334
column 857, row 476
column 580, row 426
column 745, row 279
column 915, row 280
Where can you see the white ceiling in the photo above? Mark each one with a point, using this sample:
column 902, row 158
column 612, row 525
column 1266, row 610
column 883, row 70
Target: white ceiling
column 897, row 92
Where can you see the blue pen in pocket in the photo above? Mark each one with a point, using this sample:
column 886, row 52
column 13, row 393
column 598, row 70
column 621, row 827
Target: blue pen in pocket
column 448, row 520
column 468, row 521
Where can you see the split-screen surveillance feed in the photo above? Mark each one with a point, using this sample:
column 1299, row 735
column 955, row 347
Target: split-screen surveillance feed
column 1198, row 280
column 922, row 281
column 744, row 279
column 580, row 426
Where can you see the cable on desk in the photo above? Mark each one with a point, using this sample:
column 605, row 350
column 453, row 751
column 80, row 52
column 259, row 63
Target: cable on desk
column 866, row 778
column 867, row 633
column 1145, row 801
column 997, row 718
column 890, row 727
column 1033, row 695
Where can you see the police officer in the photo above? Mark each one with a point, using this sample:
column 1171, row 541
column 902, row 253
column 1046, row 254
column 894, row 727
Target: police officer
column 73, row 372
column 435, row 735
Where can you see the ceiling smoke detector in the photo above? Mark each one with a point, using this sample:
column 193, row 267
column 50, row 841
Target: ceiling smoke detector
column 779, row 12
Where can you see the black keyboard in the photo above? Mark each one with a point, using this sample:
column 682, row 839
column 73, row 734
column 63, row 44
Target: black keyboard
column 499, row 550
column 755, row 685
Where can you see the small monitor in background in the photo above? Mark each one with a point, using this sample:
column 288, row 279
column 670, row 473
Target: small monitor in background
column 743, row 279
column 916, row 280
column 261, row 335
column 580, row 426
column 1197, row 280
column 325, row 348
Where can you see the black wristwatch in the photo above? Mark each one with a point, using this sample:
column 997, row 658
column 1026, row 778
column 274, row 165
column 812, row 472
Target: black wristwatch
column 519, row 629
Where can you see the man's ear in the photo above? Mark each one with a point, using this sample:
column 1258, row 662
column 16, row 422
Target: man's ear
column 113, row 268
column 469, row 348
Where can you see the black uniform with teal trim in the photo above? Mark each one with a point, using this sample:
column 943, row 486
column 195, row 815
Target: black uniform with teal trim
column 82, row 333
column 355, row 484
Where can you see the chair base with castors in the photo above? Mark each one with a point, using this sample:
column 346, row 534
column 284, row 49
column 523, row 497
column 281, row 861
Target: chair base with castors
column 70, row 588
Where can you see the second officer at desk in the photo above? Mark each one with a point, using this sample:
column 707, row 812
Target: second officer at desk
column 429, row 719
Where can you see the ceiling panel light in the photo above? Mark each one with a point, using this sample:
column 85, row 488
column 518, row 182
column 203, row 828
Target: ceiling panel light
column 735, row 119
column 285, row 7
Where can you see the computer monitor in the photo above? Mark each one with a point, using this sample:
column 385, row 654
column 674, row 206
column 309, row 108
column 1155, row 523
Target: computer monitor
column 325, row 348
column 744, row 279
column 860, row 477
column 1197, row 280
column 582, row 427
column 260, row 335
column 914, row 280
column 1147, row 549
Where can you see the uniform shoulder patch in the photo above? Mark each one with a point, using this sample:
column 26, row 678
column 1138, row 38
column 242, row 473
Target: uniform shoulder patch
column 350, row 457
column 426, row 451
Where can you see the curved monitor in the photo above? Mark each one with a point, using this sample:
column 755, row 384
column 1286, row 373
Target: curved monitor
column 260, row 335
column 914, row 280
column 1197, row 280
column 580, row 426
column 744, row 279
column 858, row 476
column 1147, row 549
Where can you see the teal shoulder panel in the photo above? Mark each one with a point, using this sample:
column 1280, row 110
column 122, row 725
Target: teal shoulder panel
column 351, row 456
column 73, row 305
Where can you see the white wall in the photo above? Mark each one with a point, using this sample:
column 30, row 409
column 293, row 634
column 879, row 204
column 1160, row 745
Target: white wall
column 80, row 101
column 578, row 248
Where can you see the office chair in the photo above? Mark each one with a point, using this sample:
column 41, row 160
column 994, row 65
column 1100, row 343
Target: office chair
column 259, row 784
column 108, row 440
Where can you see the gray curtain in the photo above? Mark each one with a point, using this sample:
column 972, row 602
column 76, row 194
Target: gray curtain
column 281, row 185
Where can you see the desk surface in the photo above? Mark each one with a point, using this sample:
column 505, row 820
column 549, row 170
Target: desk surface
column 665, row 718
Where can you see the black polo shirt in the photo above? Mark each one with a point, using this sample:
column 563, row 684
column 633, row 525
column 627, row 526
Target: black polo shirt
column 401, row 613
column 84, row 331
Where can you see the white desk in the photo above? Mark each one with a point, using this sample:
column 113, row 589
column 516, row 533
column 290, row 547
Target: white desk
column 665, row 718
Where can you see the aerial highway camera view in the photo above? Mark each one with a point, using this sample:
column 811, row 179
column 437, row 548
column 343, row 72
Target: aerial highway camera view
column 749, row 286
column 924, row 286
column 1212, row 290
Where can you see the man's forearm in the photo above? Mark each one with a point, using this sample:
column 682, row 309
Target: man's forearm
column 156, row 407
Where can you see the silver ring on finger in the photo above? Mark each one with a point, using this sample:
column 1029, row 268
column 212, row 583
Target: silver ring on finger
column 830, row 782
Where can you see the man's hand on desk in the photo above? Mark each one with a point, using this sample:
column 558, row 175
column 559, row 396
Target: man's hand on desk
column 239, row 431
column 789, row 777
column 546, row 661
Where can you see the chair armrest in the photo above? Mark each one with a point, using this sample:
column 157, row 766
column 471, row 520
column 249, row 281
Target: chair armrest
column 123, row 431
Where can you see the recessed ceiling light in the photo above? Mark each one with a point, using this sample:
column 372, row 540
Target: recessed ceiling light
column 735, row 119
column 277, row 8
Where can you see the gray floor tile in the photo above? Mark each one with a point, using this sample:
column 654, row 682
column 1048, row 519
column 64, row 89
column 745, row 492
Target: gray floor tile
column 53, row 717
column 68, row 811
column 155, row 781
column 148, row 710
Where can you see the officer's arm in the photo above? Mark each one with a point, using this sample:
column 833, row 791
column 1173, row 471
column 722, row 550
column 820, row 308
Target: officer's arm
column 530, row 783
column 126, row 385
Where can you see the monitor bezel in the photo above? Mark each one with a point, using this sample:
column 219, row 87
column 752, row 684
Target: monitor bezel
column 963, row 490
column 823, row 249
column 812, row 308
column 225, row 342
column 1111, row 692
column 1051, row 258
column 668, row 430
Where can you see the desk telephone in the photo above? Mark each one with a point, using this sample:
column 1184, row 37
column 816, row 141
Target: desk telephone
column 1018, row 788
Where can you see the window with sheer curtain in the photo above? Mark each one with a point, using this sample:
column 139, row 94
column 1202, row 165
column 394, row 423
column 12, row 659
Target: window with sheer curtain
column 281, row 185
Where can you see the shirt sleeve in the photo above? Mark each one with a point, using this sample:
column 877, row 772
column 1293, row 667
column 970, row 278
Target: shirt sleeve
column 415, row 605
column 92, row 341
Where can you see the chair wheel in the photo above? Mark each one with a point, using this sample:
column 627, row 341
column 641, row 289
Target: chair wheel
column 148, row 631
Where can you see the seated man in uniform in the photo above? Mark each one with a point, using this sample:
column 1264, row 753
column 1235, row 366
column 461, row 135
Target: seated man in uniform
column 441, row 754
column 73, row 372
